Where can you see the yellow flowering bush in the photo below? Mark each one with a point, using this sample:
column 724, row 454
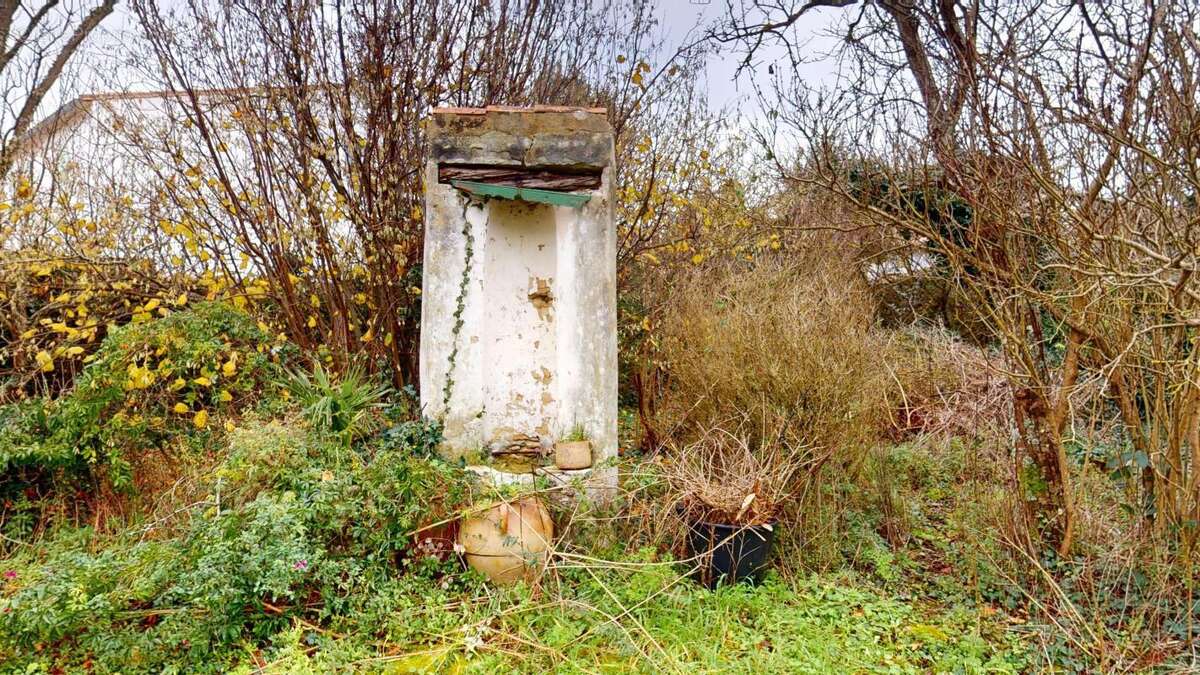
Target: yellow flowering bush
column 150, row 382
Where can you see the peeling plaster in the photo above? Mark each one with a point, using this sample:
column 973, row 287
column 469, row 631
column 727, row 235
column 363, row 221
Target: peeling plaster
column 536, row 354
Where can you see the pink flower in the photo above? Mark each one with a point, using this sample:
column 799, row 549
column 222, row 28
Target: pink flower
column 10, row 574
column 300, row 565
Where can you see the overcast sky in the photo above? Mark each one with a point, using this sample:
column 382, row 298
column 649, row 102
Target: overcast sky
column 682, row 21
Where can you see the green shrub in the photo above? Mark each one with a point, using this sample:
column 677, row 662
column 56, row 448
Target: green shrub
column 148, row 384
column 21, row 425
column 292, row 530
column 421, row 436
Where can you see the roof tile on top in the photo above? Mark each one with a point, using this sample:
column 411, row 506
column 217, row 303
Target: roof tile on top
column 451, row 110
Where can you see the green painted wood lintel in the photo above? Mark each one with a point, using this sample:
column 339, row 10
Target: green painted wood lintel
column 571, row 199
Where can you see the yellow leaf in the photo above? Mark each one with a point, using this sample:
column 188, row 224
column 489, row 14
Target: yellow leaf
column 180, row 408
column 229, row 425
column 149, row 307
column 181, row 300
column 203, row 381
column 74, row 351
column 229, row 367
column 312, row 321
column 225, row 397
column 200, row 420
column 45, row 361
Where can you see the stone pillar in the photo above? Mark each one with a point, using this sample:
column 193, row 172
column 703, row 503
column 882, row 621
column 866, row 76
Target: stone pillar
column 519, row 325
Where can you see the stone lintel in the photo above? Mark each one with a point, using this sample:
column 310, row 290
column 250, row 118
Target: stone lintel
column 578, row 139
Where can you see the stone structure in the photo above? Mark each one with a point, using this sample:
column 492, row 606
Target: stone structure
column 519, row 337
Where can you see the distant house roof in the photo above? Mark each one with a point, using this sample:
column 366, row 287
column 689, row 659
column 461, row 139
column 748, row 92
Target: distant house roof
column 74, row 112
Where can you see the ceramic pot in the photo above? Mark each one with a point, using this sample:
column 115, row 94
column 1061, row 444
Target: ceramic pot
column 573, row 454
column 508, row 542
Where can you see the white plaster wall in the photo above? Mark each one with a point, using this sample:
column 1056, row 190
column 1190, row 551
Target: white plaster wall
column 448, row 358
column 587, row 332
column 497, row 374
column 517, row 370
column 519, row 336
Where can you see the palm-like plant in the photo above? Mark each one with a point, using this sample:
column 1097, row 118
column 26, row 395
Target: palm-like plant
column 341, row 404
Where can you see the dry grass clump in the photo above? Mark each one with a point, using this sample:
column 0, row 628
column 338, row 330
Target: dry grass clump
column 722, row 478
column 786, row 348
column 774, row 390
column 945, row 386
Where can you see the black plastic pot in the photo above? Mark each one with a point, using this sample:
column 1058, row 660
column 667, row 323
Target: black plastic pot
column 730, row 553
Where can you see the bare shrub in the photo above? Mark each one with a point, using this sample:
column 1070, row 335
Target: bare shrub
column 944, row 386
column 774, row 386
column 788, row 346
column 300, row 167
column 1053, row 184
column 44, row 42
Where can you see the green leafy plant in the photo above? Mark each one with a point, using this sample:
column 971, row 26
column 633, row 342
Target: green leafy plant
column 343, row 404
column 421, row 437
column 576, row 434
column 287, row 536
column 147, row 385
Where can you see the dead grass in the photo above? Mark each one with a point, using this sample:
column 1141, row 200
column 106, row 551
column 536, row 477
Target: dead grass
column 785, row 348
column 723, row 478
column 775, row 389
column 944, row 386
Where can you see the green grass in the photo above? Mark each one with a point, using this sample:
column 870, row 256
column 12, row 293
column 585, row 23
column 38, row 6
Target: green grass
column 817, row 624
column 640, row 615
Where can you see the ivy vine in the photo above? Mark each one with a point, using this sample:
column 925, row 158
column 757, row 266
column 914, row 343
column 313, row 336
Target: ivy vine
column 461, row 302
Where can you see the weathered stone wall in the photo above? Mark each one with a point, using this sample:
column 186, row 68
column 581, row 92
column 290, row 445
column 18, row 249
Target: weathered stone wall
column 534, row 286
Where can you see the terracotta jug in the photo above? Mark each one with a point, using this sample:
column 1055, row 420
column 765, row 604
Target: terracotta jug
column 508, row 542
